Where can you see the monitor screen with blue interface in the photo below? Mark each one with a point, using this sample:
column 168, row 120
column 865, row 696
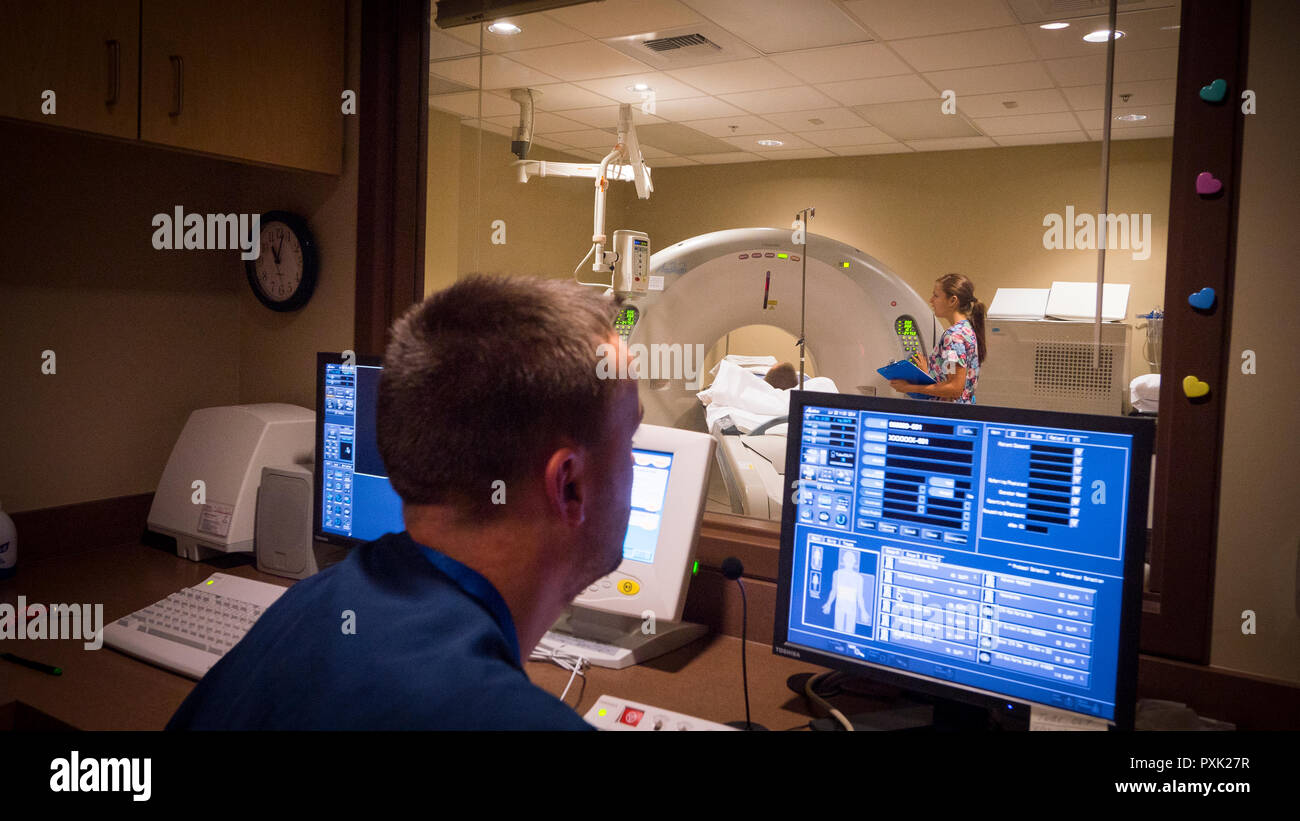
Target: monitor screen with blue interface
column 356, row 501
column 650, row 471
column 978, row 547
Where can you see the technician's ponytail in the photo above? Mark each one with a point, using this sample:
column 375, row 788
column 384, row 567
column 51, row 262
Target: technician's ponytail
column 977, row 322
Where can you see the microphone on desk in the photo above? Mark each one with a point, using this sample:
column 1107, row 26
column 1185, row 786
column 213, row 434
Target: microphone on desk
column 732, row 568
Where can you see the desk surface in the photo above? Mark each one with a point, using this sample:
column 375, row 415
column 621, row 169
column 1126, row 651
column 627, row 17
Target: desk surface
column 106, row 690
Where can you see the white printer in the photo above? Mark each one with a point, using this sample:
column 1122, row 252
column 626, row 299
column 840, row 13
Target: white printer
column 207, row 497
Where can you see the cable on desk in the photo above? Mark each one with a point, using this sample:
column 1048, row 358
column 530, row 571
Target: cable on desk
column 810, row 693
column 576, row 664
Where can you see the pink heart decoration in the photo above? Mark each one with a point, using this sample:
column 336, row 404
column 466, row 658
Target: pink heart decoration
column 1207, row 184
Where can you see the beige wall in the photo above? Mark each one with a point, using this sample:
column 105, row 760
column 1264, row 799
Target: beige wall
column 978, row 212
column 1258, row 566
column 143, row 337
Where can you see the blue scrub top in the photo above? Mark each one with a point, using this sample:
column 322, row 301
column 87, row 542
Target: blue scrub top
column 434, row 649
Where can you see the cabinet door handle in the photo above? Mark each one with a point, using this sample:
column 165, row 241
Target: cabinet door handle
column 114, row 71
column 179, row 65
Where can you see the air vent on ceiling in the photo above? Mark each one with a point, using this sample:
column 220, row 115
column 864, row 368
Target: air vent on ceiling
column 682, row 41
column 683, row 46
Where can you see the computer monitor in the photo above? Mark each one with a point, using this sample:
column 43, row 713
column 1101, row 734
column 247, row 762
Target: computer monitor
column 986, row 555
column 354, row 502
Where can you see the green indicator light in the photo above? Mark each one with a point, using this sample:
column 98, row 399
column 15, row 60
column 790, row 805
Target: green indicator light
column 844, row 265
column 695, row 571
column 782, row 256
column 212, row 581
column 603, row 712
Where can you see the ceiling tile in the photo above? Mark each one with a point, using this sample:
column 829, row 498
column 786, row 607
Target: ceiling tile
column 796, row 98
column 789, row 142
column 579, row 61
column 992, row 79
column 561, row 96
column 952, row 144
column 536, row 31
column 895, row 19
column 441, row 85
column 1147, row 133
column 679, row 139
column 1027, row 124
column 876, row 148
column 585, row 138
column 498, row 72
column 1078, row 71
column 774, row 26
column 1043, row 101
column 664, row 87
column 606, row 116
column 917, row 120
column 613, row 18
column 670, row 162
column 847, row 136
column 1157, row 115
column 1075, row 136
column 1155, row 28
column 879, row 90
column 1155, row 64
column 1149, row 92
column 829, row 65
column 735, row 156
column 466, row 104
column 826, row 119
column 967, row 49
column 796, row 154
column 696, row 108
column 736, row 76
column 487, row 126
column 442, row 45
column 731, row 126
column 543, row 122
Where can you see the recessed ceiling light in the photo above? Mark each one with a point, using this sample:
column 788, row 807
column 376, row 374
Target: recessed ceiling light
column 770, row 143
column 503, row 28
column 1131, row 118
column 1100, row 36
column 640, row 87
column 1054, row 26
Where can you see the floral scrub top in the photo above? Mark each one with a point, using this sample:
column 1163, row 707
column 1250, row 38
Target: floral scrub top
column 958, row 345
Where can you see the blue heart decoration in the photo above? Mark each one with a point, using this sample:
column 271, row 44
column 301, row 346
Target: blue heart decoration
column 1202, row 300
column 1214, row 92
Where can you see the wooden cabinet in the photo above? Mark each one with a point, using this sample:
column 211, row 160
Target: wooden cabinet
column 245, row 79
column 86, row 53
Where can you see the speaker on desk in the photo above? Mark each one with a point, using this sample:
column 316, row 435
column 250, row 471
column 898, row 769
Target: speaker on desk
column 283, row 540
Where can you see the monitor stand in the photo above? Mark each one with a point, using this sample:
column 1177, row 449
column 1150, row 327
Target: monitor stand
column 906, row 710
column 615, row 641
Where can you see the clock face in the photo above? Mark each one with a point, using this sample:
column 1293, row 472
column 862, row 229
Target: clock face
column 284, row 274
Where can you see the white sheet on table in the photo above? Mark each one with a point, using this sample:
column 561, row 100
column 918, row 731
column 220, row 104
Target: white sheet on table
column 747, row 399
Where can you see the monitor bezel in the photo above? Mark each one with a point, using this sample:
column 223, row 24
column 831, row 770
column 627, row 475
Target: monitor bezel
column 318, row 470
column 1143, row 432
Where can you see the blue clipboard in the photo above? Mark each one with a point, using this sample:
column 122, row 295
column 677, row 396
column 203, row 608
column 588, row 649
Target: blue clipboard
column 908, row 372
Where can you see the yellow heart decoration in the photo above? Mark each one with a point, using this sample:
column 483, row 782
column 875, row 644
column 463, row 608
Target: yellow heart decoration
column 1194, row 387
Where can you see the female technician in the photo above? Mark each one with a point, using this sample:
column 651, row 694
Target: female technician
column 955, row 361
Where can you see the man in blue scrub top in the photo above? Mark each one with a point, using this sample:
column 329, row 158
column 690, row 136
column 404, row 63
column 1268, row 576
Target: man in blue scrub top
column 490, row 380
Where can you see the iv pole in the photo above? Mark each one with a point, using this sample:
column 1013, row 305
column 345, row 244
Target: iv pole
column 803, row 216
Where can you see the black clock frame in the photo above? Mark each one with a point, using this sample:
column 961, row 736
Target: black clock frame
column 310, row 263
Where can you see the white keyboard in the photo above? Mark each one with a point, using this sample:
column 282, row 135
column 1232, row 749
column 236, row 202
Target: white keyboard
column 610, row 713
column 188, row 631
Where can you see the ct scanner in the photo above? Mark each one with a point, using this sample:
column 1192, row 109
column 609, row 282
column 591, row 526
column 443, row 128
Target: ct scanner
column 859, row 316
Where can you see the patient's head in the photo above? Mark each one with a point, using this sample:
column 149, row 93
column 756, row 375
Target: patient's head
column 495, row 380
column 782, row 377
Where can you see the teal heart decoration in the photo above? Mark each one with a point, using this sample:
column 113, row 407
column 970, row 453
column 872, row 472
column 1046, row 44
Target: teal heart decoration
column 1202, row 300
column 1214, row 92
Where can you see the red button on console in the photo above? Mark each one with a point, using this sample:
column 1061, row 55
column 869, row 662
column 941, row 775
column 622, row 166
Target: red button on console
column 631, row 717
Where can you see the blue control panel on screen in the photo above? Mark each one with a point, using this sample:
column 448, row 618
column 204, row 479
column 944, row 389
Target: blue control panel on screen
column 650, row 471
column 357, row 500
column 982, row 554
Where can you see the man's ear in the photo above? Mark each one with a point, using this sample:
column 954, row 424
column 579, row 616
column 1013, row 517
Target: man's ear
column 566, row 484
